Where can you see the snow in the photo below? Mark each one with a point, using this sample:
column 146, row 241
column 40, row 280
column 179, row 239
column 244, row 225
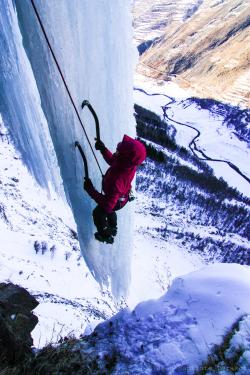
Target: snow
column 161, row 87
column 156, row 262
column 177, row 332
column 86, row 39
column 172, row 154
column 216, row 140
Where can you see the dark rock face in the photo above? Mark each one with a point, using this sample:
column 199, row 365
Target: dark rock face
column 231, row 33
column 16, row 322
column 147, row 44
column 182, row 63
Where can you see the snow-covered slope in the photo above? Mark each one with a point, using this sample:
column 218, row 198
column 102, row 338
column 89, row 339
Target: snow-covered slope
column 175, row 334
column 150, row 17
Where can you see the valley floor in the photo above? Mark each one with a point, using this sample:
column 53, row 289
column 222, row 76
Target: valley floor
column 216, row 140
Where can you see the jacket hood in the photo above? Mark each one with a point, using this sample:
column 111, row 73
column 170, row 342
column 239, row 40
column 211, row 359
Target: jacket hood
column 131, row 152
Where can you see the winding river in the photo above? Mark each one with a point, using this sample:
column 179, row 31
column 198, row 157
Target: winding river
column 192, row 145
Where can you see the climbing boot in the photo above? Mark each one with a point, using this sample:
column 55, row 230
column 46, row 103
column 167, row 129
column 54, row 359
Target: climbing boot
column 105, row 239
column 113, row 231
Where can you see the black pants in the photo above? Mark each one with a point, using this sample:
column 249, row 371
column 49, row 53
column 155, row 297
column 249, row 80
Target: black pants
column 105, row 223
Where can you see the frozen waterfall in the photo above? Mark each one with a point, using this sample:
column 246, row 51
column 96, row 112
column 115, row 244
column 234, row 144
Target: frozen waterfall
column 92, row 40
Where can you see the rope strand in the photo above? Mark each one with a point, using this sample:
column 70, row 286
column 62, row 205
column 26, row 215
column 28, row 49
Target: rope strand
column 64, row 81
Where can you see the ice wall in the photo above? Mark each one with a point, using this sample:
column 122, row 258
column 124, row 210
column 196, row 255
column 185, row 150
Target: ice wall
column 93, row 43
column 20, row 103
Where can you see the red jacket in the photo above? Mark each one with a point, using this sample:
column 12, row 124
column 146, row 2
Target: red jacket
column 117, row 180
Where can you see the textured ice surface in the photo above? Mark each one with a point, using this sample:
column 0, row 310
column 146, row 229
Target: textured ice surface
column 93, row 43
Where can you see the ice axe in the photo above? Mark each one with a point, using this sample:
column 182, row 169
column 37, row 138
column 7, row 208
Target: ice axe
column 97, row 126
column 77, row 144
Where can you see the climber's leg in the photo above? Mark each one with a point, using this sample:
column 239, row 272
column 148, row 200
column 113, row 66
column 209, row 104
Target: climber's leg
column 112, row 222
column 104, row 232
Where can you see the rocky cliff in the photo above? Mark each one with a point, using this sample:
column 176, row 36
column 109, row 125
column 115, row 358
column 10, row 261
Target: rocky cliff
column 16, row 323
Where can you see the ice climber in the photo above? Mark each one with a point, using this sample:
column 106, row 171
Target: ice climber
column 116, row 185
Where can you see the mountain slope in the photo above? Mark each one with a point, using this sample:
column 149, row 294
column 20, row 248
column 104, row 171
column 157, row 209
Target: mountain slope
column 207, row 51
column 190, row 206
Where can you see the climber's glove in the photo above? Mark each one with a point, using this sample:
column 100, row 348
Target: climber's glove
column 88, row 186
column 99, row 145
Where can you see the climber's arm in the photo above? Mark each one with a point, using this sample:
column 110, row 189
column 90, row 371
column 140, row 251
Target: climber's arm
column 106, row 201
column 107, row 155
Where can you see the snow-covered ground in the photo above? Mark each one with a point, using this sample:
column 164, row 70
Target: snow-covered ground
column 216, row 140
column 175, row 334
column 156, row 262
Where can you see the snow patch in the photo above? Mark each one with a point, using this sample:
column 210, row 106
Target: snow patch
column 177, row 332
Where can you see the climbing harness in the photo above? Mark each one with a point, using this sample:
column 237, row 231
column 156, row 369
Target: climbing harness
column 68, row 91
